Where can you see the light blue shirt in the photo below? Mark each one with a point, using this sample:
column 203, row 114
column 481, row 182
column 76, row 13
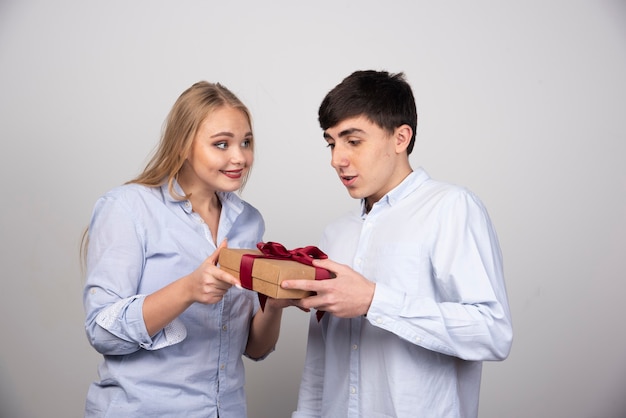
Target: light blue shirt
column 440, row 308
column 140, row 240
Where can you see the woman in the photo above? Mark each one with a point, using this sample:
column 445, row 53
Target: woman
column 172, row 326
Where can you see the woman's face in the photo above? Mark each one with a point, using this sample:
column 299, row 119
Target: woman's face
column 221, row 154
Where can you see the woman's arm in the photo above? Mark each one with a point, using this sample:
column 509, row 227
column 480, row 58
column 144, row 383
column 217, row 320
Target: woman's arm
column 265, row 328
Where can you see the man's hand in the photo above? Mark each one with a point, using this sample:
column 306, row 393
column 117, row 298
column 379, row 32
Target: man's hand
column 348, row 295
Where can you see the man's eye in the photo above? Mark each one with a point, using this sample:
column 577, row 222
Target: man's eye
column 354, row 142
column 330, row 145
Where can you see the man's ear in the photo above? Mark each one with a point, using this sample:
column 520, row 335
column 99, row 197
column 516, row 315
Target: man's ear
column 402, row 136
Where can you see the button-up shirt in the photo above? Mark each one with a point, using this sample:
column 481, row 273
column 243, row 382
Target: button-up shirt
column 140, row 240
column 439, row 309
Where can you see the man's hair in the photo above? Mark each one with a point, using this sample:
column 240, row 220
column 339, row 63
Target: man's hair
column 385, row 99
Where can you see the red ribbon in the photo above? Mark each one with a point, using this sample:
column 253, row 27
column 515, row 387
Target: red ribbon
column 276, row 251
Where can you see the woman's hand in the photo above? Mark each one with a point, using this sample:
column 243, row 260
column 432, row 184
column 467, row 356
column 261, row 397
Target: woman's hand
column 208, row 284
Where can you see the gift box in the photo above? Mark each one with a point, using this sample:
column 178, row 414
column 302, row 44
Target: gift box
column 268, row 271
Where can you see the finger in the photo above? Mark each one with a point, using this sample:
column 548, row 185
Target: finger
column 281, row 303
column 309, row 285
column 308, row 303
column 226, row 277
column 216, row 254
column 298, row 304
column 327, row 264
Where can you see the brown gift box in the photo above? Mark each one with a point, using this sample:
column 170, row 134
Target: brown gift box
column 267, row 274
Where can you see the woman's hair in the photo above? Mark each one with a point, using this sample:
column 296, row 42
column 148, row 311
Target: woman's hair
column 182, row 123
column 385, row 99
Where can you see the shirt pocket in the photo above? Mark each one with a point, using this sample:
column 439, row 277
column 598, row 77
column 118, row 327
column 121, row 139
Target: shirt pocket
column 400, row 264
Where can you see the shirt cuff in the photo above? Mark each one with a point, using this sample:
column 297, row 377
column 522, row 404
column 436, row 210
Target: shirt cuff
column 386, row 302
column 126, row 312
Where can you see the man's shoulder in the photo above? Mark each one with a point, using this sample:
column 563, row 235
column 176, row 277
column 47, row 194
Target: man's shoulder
column 442, row 191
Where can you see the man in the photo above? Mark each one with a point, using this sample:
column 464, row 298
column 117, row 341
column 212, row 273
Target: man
column 419, row 299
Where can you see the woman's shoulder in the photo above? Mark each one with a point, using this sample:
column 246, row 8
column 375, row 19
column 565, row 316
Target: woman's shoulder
column 130, row 191
column 131, row 195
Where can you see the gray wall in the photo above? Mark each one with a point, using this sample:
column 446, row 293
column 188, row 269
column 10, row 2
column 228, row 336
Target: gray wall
column 523, row 102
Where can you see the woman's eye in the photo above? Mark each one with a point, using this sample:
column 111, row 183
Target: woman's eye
column 247, row 143
column 221, row 145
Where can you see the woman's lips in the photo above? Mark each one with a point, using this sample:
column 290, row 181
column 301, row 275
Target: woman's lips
column 233, row 174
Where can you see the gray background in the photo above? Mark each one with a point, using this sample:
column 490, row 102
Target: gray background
column 523, row 102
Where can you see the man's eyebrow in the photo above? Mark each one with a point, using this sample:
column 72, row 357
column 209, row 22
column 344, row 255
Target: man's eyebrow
column 343, row 133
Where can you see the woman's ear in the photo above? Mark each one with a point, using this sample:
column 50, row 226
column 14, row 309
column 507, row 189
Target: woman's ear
column 402, row 136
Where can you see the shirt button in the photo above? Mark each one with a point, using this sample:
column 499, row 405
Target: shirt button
column 222, row 367
column 379, row 320
column 352, row 390
column 354, row 346
column 224, row 327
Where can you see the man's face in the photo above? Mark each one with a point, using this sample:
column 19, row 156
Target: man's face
column 366, row 158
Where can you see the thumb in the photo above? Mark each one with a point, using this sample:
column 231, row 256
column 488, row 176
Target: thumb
column 214, row 257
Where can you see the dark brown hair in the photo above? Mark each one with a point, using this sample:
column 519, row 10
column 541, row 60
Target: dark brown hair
column 385, row 99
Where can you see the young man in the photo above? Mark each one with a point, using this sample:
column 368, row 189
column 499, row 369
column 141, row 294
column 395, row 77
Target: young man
column 419, row 300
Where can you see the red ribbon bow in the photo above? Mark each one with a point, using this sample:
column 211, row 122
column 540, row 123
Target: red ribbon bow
column 276, row 251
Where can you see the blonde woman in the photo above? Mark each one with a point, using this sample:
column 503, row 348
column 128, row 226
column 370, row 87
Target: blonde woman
column 171, row 326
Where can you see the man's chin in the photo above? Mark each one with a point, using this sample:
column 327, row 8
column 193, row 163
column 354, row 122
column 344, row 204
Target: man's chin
column 355, row 193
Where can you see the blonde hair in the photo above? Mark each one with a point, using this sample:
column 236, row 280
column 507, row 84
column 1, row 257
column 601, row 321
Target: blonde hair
column 182, row 123
column 189, row 111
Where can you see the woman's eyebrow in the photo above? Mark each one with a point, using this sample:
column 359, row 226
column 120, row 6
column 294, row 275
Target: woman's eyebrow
column 229, row 134
column 225, row 133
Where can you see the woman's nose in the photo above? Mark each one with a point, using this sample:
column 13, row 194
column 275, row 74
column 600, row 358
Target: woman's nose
column 237, row 156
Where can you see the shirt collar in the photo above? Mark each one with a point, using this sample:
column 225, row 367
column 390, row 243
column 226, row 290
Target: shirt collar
column 405, row 188
column 231, row 203
column 185, row 204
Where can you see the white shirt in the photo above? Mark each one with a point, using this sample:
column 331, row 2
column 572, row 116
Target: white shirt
column 440, row 308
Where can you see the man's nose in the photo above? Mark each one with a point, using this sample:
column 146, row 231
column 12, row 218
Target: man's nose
column 339, row 158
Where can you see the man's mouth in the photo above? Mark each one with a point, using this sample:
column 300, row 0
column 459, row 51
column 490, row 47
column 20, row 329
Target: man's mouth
column 347, row 180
